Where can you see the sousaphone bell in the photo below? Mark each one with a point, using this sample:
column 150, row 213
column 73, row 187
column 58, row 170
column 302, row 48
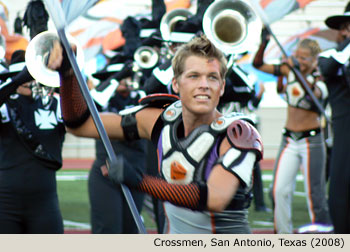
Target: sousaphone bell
column 146, row 57
column 232, row 25
column 37, row 54
column 168, row 21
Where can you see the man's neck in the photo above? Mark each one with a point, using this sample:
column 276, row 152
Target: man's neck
column 192, row 122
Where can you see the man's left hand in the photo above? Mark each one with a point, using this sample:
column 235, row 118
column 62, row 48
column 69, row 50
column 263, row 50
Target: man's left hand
column 119, row 172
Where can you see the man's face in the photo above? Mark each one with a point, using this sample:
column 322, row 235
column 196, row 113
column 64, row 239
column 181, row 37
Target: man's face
column 200, row 86
column 125, row 86
column 24, row 89
column 344, row 32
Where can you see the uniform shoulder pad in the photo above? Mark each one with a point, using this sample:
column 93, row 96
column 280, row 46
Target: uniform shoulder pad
column 158, row 100
column 172, row 112
column 244, row 136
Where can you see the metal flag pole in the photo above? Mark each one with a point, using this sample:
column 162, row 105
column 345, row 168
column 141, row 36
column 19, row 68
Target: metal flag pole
column 57, row 15
column 296, row 72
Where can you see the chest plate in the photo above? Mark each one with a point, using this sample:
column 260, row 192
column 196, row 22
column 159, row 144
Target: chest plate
column 189, row 158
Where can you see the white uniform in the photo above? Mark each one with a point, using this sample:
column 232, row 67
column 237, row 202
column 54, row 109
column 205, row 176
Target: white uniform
column 306, row 149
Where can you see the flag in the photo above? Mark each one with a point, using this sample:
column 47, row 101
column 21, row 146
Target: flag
column 73, row 9
column 325, row 37
column 277, row 9
column 98, row 30
column 176, row 4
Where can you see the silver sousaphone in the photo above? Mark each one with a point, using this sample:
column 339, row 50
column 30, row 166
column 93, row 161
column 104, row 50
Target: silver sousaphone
column 146, row 57
column 232, row 25
column 37, row 54
column 168, row 21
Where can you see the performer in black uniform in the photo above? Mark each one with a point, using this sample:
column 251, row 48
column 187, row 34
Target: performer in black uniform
column 131, row 72
column 334, row 65
column 110, row 213
column 31, row 138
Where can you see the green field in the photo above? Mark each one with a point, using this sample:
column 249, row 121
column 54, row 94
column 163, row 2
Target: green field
column 73, row 196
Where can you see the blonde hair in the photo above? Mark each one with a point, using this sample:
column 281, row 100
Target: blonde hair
column 198, row 46
column 312, row 45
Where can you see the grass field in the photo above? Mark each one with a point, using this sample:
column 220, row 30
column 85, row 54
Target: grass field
column 73, row 196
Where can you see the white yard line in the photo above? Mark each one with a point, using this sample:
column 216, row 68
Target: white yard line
column 78, row 225
column 71, row 176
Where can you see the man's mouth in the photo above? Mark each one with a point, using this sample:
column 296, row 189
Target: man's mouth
column 202, row 97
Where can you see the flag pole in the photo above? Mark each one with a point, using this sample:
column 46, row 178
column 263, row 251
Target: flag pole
column 296, row 72
column 58, row 18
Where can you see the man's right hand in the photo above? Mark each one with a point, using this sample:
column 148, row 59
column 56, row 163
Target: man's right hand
column 58, row 59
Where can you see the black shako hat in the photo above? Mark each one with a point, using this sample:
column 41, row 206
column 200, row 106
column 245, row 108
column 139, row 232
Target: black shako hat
column 108, row 71
column 16, row 65
column 334, row 22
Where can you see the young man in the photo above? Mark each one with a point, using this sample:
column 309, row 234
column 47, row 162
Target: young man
column 206, row 159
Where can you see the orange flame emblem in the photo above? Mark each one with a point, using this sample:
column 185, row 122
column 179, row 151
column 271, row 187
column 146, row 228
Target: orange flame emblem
column 177, row 171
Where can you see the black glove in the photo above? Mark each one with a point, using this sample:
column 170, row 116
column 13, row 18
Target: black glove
column 158, row 10
column 265, row 36
column 258, row 60
column 121, row 172
column 296, row 64
column 130, row 28
column 131, row 32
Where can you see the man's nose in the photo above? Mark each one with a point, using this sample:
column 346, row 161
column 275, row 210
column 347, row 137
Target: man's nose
column 204, row 83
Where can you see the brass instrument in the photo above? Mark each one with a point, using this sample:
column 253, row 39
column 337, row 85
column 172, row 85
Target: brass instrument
column 232, row 25
column 37, row 54
column 146, row 57
column 169, row 20
column 2, row 47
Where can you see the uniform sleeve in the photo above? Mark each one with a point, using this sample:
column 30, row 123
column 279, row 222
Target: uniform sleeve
column 192, row 196
column 331, row 60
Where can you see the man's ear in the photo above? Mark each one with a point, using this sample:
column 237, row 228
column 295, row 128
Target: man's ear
column 222, row 91
column 175, row 85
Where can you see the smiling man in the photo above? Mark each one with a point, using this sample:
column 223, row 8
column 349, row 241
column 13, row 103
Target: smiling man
column 206, row 159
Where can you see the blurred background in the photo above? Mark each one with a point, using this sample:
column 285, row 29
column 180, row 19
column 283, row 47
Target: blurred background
column 97, row 30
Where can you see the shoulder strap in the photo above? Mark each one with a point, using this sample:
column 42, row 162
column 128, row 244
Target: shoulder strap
column 221, row 123
column 158, row 100
column 172, row 112
column 30, row 141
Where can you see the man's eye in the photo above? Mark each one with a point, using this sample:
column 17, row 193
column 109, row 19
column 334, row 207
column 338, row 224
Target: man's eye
column 213, row 77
